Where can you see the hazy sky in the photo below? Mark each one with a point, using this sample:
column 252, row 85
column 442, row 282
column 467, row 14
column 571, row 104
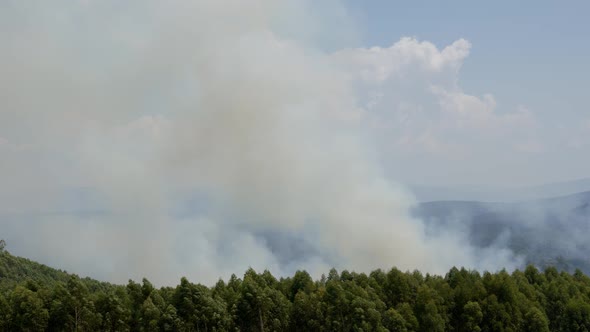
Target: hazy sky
column 160, row 139
column 526, row 54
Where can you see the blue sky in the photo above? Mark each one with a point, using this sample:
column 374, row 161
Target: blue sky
column 525, row 52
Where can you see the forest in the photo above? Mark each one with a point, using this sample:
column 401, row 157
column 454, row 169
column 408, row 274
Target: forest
column 34, row 297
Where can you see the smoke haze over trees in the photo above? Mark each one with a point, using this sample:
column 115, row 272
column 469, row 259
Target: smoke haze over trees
column 181, row 142
column 163, row 139
column 201, row 138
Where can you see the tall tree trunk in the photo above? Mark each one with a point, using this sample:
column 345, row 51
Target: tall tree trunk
column 76, row 319
column 260, row 318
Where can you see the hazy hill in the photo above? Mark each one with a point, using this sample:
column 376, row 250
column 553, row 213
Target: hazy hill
column 499, row 193
column 552, row 231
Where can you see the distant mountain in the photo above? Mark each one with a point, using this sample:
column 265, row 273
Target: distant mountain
column 499, row 193
column 551, row 231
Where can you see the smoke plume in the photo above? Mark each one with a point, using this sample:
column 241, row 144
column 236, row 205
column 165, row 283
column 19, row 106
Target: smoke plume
column 197, row 138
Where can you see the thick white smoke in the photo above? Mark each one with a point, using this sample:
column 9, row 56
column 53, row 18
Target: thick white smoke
column 174, row 138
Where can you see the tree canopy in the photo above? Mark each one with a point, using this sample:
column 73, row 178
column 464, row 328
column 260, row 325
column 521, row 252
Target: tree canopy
column 34, row 297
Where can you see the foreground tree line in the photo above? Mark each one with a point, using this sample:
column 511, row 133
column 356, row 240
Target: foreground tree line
column 462, row 300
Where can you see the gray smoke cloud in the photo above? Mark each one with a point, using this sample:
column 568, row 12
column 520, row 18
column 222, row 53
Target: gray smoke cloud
column 163, row 139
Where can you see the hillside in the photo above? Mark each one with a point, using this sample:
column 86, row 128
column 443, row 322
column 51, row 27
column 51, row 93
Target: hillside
column 545, row 232
column 15, row 270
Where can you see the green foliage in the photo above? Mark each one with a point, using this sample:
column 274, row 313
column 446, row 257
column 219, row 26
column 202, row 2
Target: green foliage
column 28, row 310
column 471, row 317
column 536, row 321
column 577, row 316
column 393, row 321
column 5, row 314
column 34, row 297
column 409, row 317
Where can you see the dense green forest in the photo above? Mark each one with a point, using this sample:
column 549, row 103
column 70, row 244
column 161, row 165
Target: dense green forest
column 34, row 297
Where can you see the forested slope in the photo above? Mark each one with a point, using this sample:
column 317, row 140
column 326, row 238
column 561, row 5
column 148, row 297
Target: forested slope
column 37, row 298
column 15, row 270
